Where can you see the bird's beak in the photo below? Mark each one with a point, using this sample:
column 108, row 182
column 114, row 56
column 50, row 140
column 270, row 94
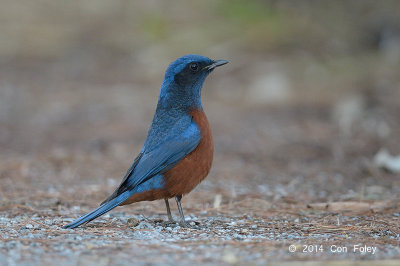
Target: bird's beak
column 215, row 64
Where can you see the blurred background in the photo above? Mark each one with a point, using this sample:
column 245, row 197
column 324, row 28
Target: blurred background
column 305, row 120
column 309, row 98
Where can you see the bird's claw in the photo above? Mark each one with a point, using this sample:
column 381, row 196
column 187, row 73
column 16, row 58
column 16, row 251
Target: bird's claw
column 192, row 225
column 168, row 223
column 184, row 224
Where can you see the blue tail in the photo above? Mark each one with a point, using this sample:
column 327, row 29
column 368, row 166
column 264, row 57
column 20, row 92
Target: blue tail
column 108, row 206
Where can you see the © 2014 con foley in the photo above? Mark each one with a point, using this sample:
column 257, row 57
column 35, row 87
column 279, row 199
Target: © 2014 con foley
column 357, row 248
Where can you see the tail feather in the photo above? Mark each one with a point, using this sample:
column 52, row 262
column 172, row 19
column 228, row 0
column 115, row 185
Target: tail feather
column 108, row 206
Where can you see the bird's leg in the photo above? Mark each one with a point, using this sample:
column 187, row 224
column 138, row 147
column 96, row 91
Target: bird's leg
column 178, row 202
column 170, row 219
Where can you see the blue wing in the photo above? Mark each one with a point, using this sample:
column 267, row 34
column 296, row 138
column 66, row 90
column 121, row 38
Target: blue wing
column 182, row 140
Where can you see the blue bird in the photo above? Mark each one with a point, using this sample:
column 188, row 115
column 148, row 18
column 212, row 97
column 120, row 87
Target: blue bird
column 178, row 151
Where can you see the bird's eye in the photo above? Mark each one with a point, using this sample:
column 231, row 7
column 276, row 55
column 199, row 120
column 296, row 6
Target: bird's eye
column 194, row 67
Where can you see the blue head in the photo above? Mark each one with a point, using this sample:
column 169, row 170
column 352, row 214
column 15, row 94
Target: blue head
column 183, row 81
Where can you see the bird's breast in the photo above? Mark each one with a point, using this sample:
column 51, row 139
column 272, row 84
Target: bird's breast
column 191, row 170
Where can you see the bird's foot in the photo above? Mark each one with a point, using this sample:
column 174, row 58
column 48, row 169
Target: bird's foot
column 169, row 223
column 192, row 224
column 184, row 224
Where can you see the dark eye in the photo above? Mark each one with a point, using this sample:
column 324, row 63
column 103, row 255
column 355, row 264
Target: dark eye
column 194, row 67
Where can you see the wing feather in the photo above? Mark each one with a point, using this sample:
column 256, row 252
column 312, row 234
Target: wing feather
column 160, row 159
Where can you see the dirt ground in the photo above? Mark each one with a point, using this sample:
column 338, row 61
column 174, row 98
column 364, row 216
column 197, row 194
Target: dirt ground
column 285, row 176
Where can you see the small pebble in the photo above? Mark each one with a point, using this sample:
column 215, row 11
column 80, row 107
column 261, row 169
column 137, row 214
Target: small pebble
column 132, row 222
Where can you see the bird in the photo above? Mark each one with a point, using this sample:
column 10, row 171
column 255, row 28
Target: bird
column 178, row 151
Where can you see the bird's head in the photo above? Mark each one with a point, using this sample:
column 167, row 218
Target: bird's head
column 184, row 79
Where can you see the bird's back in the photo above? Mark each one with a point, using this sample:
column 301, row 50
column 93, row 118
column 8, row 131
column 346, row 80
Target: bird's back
column 166, row 124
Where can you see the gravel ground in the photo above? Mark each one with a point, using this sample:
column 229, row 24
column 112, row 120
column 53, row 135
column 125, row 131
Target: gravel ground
column 235, row 236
